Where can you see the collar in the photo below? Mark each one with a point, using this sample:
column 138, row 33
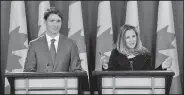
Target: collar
column 50, row 38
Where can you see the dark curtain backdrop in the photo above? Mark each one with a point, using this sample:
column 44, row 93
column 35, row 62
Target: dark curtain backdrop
column 148, row 11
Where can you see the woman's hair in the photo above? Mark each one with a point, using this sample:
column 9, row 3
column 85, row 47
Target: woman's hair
column 121, row 42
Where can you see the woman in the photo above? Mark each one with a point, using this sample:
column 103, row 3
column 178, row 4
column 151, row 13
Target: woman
column 129, row 53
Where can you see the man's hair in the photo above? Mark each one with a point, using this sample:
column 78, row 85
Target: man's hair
column 52, row 10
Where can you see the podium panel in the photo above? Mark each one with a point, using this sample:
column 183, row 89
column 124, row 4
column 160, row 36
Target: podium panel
column 134, row 82
column 133, row 85
column 45, row 83
column 53, row 85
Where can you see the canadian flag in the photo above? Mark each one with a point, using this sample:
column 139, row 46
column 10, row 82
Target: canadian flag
column 76, row 31
column 104, row 40
column 166, row 48
column 43, row 6
column 18, row 40
column 132, row 14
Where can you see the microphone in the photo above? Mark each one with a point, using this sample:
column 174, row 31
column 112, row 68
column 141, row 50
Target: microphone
column 47, row 67
column 48, row 64
column 131, row 65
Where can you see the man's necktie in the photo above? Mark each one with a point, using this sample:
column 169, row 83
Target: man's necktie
column 52, row 50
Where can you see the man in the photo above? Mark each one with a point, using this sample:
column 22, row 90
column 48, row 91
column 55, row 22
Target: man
column 52, row 52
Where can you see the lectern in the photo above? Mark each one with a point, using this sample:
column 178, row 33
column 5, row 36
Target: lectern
column 133, row 82
column 45, row 83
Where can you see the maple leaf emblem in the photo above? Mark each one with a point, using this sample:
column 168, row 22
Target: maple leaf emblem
column 17, row 46
column 164, row 42
column 104, row 44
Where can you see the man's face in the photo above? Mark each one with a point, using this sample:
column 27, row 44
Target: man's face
column 53, row 24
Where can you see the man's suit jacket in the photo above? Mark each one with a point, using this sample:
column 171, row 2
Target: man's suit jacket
column 39, row 58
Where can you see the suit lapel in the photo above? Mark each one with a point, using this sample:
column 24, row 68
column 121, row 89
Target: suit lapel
column 57, row 59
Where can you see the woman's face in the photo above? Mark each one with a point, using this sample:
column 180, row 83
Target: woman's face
column 131, row 39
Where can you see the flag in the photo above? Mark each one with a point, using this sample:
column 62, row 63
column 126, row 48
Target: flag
column 132, row 14
column 18, row 40
column 166, row 48
column 42, row 8
column 104, row 40
column 76, row 31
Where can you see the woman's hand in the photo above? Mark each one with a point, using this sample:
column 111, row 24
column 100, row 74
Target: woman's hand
column 104, row 61
column 105, row 66
column 167, row 63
